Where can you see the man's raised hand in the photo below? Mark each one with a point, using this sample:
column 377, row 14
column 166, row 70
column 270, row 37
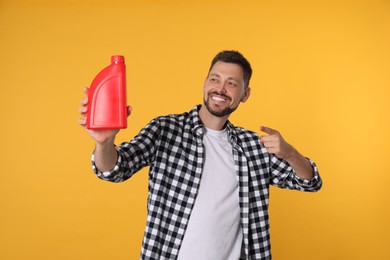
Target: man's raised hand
column 275, row 143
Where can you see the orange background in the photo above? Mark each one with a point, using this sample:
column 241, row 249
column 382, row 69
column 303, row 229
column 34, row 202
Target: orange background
column 321, row 77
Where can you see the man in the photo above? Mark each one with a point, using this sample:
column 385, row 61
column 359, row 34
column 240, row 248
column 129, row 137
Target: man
column 208, row 180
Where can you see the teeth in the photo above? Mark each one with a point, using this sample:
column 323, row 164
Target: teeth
column 218, row 99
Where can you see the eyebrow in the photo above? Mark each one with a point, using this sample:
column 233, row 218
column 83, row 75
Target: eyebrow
column 217, row 75
column 214, row 75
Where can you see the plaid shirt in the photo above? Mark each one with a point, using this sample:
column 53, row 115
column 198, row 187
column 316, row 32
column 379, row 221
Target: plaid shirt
column 172, row 147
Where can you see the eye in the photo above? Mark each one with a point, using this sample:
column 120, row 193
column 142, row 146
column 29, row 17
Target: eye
column 232, row 83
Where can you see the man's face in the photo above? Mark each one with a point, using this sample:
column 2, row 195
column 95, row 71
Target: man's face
column 224, row 89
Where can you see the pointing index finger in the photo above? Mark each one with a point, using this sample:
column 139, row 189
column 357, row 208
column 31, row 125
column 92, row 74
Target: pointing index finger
column 268, row 130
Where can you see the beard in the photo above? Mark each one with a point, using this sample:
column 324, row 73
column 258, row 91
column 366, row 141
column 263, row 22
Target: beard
column 218, row 113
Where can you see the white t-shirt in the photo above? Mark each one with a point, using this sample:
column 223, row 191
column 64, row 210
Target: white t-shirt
column 214, row 228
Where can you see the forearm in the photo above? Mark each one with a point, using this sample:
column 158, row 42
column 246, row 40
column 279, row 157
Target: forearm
column 301, row 165
column 106, row 156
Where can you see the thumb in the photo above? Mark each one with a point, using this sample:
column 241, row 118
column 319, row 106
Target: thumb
column 129, row 110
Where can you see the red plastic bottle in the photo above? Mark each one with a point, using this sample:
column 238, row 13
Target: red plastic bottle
column 107, row 108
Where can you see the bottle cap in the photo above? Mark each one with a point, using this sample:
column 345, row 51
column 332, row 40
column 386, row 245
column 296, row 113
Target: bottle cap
column 117, row 59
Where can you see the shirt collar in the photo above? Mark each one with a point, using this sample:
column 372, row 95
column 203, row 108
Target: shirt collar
column 196, row 124
column 199, row 130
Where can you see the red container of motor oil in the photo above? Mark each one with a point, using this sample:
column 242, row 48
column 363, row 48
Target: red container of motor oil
column 107, row 108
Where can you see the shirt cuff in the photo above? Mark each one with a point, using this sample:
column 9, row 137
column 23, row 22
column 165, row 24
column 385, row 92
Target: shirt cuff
column 315, row 181
column 106, row 174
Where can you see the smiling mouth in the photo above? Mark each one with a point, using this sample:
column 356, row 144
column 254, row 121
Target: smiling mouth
column 219, row 98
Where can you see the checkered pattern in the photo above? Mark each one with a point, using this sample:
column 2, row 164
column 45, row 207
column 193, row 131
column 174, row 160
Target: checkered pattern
column 172, row 147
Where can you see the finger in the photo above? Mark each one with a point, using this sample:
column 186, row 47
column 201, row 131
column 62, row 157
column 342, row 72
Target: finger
column 83, row 110
column 273, row 151
column 263, row 138
column 269, row 148
column 268, row 130
column 86, row 90
column 82, row 122
column 268, row 138
column 269, row 145
column 129, row 109
column 84, row 101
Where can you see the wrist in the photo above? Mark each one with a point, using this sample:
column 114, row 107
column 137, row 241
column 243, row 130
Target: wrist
column 292, row 154
column 103, row 145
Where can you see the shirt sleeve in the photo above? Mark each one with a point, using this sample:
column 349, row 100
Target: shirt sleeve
column 133, row 155
column 284, row 176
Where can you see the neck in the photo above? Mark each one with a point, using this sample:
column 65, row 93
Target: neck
column 211, row 121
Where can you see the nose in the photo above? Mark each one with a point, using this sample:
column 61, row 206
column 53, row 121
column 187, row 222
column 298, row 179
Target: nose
column 222, row 87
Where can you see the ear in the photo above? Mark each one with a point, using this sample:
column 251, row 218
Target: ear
column 247, row 93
